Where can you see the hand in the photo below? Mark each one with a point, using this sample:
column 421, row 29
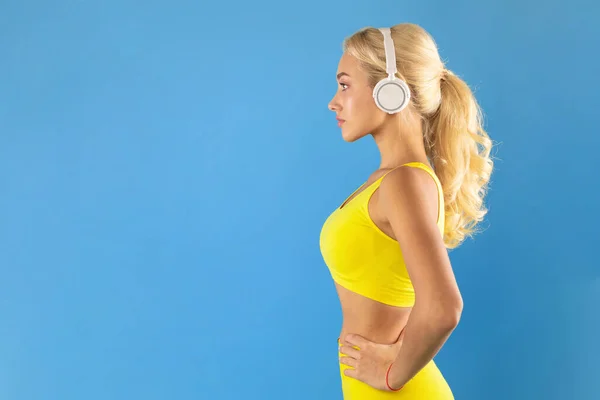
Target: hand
column 370, row 362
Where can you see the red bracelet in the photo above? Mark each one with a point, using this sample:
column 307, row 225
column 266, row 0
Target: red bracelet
column 387, row 374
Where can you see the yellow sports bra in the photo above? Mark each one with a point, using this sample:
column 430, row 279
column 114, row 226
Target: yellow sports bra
column 364, row 259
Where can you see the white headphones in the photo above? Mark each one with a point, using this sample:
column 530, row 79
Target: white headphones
column 391, row 94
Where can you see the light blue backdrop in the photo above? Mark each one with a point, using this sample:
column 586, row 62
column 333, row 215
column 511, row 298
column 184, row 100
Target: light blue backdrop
column 165, row 169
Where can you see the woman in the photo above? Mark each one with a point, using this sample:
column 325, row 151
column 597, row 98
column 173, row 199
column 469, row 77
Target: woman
column 386, row 244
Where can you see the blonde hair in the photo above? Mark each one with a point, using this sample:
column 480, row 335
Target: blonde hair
column 453, row 134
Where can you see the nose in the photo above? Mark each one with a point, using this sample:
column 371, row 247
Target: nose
column 333, row 105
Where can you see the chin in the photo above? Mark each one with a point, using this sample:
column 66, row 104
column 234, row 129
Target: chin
column 351, row 136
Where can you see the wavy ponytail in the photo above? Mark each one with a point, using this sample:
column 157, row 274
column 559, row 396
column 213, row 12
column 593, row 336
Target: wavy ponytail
column 459, row 149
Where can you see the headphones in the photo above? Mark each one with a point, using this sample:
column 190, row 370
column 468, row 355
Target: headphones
column 391, row 94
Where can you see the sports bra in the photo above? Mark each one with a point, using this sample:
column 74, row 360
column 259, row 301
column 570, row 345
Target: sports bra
column 361, row 257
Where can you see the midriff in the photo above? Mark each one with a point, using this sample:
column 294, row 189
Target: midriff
column 377, row 322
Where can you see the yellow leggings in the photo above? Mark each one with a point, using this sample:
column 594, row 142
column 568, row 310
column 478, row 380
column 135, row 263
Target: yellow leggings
column 427, row 384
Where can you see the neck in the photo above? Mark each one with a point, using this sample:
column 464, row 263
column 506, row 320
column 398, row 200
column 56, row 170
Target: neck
column 400, row 143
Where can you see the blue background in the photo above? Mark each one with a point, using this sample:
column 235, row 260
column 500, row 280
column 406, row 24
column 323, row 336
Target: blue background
column 165, row 169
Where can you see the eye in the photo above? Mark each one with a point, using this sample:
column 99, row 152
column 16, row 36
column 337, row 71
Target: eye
column 343, row 84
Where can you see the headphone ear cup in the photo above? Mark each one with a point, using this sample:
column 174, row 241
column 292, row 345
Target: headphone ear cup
column 391, row 95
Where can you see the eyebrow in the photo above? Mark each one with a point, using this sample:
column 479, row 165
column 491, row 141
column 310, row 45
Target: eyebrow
column 342, row 74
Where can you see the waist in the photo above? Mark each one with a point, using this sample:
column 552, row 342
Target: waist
column 379, row 327
column 377, row 335
column 381, row 323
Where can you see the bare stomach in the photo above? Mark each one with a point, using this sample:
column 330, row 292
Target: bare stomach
column 375, row 321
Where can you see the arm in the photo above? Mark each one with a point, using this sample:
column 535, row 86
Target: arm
column 408, row 198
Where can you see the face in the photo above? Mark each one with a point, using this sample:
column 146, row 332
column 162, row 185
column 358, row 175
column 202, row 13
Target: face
column 353, row 102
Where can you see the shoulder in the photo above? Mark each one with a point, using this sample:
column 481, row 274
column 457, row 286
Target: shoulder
column 408, row 193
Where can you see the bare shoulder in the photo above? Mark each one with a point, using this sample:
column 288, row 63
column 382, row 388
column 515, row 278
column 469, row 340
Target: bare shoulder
column 408, row 194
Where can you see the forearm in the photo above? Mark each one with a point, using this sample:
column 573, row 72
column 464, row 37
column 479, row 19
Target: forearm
column 424, row 335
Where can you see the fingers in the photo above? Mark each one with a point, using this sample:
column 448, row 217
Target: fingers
column 351, row 362
column 350, row 351
column 351, row 373
column 356, row 340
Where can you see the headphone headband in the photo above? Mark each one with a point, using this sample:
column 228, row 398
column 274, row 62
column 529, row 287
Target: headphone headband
column 390, row 53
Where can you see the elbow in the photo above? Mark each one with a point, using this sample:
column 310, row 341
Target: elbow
column 445, row 314
column 450, row 313
column 451, row 316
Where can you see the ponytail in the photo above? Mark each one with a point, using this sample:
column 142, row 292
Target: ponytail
column 460, row 152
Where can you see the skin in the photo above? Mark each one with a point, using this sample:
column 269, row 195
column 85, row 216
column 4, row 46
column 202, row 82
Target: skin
column 405, row 207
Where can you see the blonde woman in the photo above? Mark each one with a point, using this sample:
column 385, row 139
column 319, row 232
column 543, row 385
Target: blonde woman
column 386, row 244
